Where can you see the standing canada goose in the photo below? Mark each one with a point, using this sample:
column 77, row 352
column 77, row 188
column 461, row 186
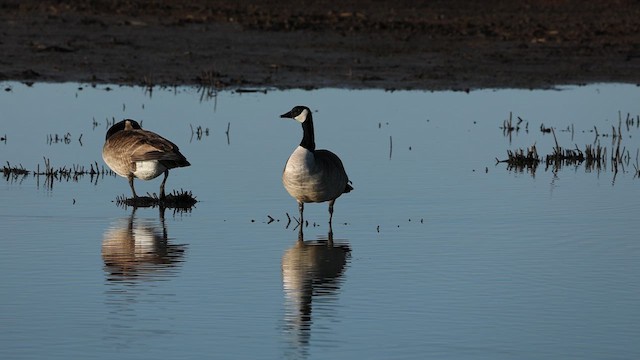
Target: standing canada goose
column 312, row 175
column 132, row 152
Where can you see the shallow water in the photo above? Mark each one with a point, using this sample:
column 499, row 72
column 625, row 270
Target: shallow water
column 439, row 252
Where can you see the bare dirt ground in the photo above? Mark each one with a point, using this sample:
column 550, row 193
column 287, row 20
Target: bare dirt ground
column 399, row 44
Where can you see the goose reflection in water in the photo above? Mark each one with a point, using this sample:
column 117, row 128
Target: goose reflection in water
column 136, row 249
column 311, row 274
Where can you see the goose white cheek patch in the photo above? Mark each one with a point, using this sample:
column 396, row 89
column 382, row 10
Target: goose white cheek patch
column 303, row 116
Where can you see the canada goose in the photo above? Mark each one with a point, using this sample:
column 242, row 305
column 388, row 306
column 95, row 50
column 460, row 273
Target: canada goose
column 312, row 175
column 132, row 152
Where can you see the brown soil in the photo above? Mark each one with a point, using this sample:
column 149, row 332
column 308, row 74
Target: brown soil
column 401, row 44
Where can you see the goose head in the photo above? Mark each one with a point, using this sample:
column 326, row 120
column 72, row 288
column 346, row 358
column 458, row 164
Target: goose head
column 298, row 113
column 126, row 124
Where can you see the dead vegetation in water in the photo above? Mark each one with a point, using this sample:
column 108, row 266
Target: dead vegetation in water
column 595, row 157
column 51, row 174
column 520, row 160
column 181, row 201
column 636, row 166
column 59, row 139
column 209, row 83
column 292, row 222
column 198, row 132
column 508, row 128
column 560, row 156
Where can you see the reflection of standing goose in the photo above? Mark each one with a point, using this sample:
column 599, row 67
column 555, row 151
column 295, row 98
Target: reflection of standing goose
column 138, row 248
column 310, row 270
column 312, row 175
column 132, row 152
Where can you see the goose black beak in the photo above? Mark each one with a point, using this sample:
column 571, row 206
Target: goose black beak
column 287, row 115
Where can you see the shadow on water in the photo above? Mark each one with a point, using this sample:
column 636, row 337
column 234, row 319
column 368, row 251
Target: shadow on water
column 139, row 249
column 312, row 273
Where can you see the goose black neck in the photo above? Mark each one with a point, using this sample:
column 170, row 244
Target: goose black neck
column 307, row 136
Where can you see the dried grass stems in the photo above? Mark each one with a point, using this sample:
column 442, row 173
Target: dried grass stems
column 57, row 139
column 520, row 160
column 209, row 83
column 508, row 128
column 636, row 166
column 594, row 156
column 198, row 132
column 180, row 201
column 52, row 174
column 292, row 222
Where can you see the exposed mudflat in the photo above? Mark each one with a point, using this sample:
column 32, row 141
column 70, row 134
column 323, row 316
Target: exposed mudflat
column 402, row 44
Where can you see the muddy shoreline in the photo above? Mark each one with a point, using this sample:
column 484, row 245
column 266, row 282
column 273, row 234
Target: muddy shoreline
column 441, row 45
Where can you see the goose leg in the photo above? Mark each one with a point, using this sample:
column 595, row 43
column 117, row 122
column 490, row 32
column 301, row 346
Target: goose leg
column 301, row 209
column 131, row 184
column 331, row 211
column 166, row 175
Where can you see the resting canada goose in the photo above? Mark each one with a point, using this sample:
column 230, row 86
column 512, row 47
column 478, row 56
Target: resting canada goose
column 132, row 152
column 312, row 175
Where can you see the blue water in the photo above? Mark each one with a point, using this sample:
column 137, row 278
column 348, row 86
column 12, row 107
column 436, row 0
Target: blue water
column 439, row 252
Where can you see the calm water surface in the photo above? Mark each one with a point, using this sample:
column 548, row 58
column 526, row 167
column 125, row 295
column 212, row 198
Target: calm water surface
column 439, row 252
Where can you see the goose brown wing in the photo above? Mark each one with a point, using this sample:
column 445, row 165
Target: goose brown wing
column 146, row 145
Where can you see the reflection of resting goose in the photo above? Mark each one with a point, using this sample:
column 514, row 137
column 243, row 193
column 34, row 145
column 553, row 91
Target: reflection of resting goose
column 310, row 269
column 137, row 248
